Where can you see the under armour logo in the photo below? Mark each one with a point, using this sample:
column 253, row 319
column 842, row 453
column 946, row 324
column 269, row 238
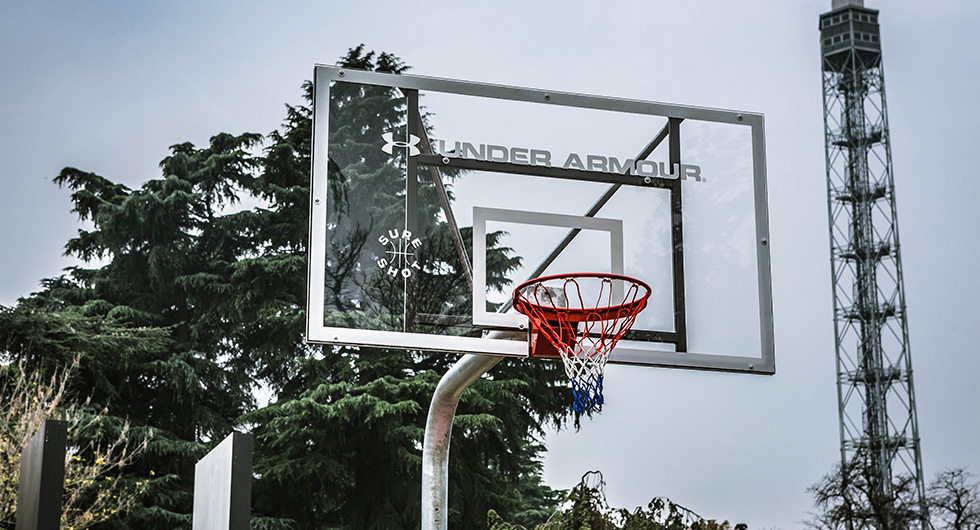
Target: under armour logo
column 391, row 143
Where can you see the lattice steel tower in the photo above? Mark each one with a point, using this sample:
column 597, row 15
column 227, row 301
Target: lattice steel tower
column 878, row 423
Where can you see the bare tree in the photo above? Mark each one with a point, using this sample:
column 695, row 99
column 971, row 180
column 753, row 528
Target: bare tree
column 585, row 508
column 954, row 500
column 92, row 494
column 851, row 497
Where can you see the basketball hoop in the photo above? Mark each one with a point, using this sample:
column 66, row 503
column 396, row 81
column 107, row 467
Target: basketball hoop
column 582, row 316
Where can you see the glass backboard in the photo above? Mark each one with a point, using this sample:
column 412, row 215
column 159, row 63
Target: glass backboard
column 432, row 199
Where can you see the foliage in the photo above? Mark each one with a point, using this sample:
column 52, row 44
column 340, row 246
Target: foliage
column 852, row 496
column 954, row 500
column 156, row 346
column 92, row 492
column 197, row 302
column 344, row 434
column 585, row 508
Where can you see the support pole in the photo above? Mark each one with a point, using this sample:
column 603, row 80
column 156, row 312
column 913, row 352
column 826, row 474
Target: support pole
column 42, row 478
column 223, row 485
column 438, row 428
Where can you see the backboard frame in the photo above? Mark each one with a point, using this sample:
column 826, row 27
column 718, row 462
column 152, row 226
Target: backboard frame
column 410, row 85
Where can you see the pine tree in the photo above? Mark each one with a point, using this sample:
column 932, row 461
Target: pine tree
column 155, row 346
column 200, row 302
column 344, row 436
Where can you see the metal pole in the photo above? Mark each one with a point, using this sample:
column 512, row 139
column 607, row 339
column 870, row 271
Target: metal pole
column 42, row 478
column 438, row 428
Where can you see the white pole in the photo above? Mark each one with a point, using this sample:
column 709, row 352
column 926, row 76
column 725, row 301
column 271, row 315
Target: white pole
column 438, row 428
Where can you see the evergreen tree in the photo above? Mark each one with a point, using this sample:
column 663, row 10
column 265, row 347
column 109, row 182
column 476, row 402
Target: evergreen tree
column 156, row 347
column 342, row 442
column 199, row 302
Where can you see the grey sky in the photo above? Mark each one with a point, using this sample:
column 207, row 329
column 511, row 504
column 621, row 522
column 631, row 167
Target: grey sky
column 108, row 86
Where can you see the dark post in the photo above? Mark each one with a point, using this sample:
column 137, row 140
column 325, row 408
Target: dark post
column 42, row 478
column 223, row 485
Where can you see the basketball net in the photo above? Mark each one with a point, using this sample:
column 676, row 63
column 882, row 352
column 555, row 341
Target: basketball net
column 582, row 316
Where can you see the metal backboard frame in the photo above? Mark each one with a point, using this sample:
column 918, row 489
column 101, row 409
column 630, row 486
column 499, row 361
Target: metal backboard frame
column 762, row 361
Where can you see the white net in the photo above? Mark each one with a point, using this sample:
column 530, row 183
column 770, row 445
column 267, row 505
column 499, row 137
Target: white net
column 583, row 316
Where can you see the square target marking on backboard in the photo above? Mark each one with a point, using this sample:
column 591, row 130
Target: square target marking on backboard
column 489, row 314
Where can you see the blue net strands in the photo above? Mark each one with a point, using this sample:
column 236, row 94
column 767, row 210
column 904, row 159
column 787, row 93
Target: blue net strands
column 587, row 394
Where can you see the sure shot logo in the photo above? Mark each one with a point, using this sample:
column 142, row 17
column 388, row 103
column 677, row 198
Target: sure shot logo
column 400, row 258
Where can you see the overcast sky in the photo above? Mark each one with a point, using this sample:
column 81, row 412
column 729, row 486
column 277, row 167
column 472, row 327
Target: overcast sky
column 107, row 86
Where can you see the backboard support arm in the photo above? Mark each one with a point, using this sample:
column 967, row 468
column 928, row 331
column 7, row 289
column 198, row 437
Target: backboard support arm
column 670, row 132
column 677, row 236
column 597, row 206
column 416, row 123
column 409, row 311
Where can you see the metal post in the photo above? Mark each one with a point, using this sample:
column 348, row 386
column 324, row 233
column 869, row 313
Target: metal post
column 438, row 428
column 42, row 478
column 223, row 485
